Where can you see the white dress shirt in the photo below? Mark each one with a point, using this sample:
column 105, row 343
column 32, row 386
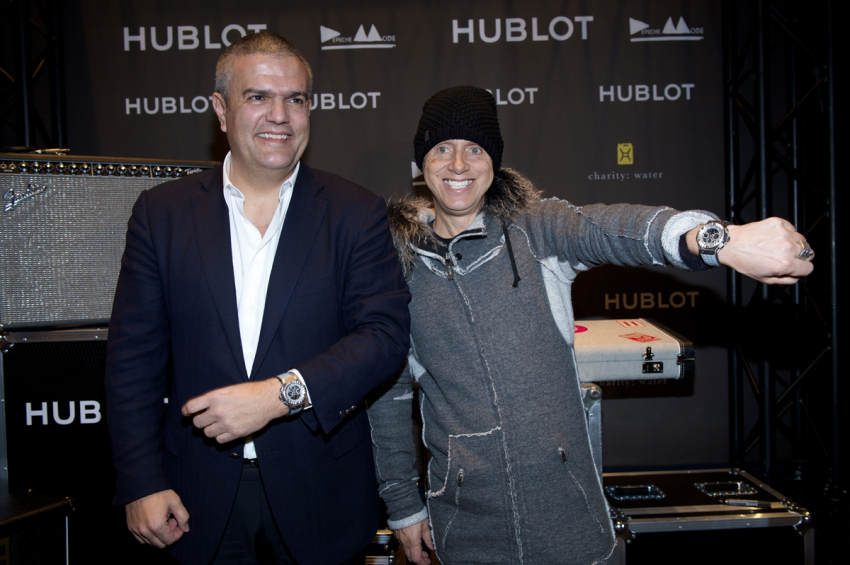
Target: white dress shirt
column 253, row 257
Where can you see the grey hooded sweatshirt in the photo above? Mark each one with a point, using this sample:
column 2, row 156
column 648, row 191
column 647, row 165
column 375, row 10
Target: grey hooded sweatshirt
column 511, row 477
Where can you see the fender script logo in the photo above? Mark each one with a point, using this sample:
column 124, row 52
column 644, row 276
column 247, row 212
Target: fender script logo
column 14, row 197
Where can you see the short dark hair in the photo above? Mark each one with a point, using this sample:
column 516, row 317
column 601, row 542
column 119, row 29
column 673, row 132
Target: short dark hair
column 262, row 43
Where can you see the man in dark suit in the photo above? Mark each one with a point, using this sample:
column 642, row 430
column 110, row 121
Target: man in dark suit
column 269, row 295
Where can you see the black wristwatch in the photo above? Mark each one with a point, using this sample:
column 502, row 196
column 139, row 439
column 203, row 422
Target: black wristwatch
column 293, row 393
column 711, row 238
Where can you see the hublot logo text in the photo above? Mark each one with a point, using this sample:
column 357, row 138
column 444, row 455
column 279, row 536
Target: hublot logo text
column 89, row 413
column 188, row 37
column 560, row 28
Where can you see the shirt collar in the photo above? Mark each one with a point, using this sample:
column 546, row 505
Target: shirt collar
column 287, row 184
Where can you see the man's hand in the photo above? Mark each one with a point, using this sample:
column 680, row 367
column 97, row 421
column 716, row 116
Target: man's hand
column 158, row 519
column 411, row 539
column 236, row 411
column 765, row 251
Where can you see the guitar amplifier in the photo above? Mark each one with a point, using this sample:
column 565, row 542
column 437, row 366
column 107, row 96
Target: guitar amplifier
column 618, row 350
column 62, row 229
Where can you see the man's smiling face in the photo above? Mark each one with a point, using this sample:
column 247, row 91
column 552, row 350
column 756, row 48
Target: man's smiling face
column 267, row 113
column 458, row 173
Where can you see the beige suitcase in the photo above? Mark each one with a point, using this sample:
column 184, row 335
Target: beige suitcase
column 617, row 350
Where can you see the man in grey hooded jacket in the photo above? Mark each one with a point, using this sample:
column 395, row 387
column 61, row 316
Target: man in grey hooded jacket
column 490, row 266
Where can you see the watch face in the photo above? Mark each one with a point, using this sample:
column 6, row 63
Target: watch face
column 711, row 236
column 294, row 393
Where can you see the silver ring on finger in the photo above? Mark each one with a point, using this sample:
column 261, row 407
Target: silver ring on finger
column 806, row 252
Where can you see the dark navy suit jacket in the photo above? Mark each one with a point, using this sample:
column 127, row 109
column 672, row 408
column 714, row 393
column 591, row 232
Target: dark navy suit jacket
column 336, row 310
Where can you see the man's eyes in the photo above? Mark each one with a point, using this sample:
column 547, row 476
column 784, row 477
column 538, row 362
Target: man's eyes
column 473, row 150
column 262, row 98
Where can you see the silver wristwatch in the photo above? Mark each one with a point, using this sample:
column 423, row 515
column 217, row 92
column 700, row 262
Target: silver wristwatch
column 711, row 238
column 293, row 393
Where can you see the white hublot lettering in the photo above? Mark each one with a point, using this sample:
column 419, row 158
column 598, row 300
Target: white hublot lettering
column 66, row 421
column 187, row 37
column 515, row 29
column 469, row 30
column 169, row 39
column 129, row 105
column 492, row 38
column 32, row 413
column 89, row 412
column 128, row 38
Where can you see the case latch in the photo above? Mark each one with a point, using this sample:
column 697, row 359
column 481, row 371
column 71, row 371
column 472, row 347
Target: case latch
column 650, row 366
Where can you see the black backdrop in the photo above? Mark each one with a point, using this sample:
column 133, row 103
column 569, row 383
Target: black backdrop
column 598, row 101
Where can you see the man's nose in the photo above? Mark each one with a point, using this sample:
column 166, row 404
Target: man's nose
column 458, row 164
column 278, row 112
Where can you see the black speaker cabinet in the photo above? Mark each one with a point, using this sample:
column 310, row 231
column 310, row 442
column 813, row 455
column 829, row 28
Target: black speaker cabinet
column 62, row 227
column 54, row 440
column 54, row 427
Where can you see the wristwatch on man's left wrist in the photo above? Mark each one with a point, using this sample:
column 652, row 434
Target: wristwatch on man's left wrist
column 711, row 238
column 293, row 393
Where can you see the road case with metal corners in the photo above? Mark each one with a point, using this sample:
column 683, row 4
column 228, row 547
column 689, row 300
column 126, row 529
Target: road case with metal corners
column 702, row 501
column 616, row 350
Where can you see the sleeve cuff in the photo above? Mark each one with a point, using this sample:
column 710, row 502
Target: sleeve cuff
column 678, row 226
column 691, row 261
column 409, row 521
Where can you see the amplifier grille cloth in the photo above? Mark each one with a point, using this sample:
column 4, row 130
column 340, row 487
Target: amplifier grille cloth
column 60, row 251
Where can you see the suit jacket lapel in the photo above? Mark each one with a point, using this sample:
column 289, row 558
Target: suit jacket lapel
column 298, row 232
column 212, row 229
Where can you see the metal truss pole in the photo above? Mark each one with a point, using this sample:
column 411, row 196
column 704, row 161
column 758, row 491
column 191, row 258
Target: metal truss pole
column 779, row 131
column 761, row 92
column 31, row 71
column 833, row 280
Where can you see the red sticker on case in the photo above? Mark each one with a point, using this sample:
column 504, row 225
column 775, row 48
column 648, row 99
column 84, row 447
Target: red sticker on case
column 642, row 338
column 631, row 323
column 580, row 329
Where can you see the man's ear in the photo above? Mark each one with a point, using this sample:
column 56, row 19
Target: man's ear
column 220, row 107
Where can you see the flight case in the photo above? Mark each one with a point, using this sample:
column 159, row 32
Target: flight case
column 701, row 500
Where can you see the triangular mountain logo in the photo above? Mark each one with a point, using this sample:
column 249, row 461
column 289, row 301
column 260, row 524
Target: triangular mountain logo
column 636, row 26
column 334, row 40
column 327, row 33
column 361, row 35
column 373, row 34
column 680, row 31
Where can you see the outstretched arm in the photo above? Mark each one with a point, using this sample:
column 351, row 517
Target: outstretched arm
column 766, row 251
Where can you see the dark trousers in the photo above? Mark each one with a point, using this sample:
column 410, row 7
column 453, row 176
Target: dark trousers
column 251, row 536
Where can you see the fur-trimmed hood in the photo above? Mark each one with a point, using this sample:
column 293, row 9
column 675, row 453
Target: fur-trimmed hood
column 510, row 195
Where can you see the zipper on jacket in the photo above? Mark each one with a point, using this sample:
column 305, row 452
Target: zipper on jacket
column 449, row 270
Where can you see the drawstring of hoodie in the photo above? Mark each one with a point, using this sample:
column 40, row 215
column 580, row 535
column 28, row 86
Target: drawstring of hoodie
column 511, row 254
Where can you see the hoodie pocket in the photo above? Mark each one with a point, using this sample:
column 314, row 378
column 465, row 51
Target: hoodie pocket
column 472, row 514
column 580, row 496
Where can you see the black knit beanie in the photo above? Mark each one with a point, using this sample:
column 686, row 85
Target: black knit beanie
column 460, row 112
